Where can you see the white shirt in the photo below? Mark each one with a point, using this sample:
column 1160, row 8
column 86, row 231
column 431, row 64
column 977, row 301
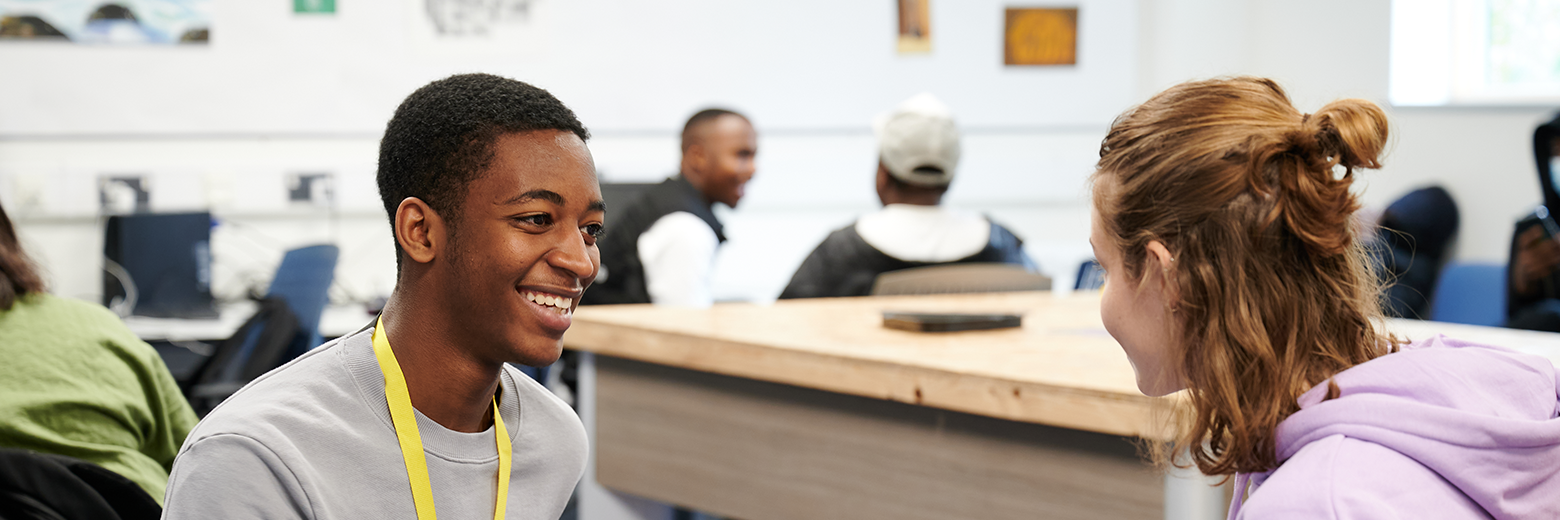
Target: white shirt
column 678, row 254
column 916, row 233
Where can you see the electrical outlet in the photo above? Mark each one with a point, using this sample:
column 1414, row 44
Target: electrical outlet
column 311, row 189
column 124, row 194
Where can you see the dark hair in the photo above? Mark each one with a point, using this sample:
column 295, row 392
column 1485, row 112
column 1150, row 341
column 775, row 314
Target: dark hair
column 901, row 185
column 701, row 118
column 1275, row 292
column 17, row 274
column 441, row 138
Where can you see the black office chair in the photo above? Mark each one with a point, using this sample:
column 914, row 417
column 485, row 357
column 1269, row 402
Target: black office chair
column 1090, row 276
column 960, row 278
column 257, row 347
column 43, row 486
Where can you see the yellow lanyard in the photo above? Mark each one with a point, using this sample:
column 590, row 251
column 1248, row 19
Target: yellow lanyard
column 411, row 442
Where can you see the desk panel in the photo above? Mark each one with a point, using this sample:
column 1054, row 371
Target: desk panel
column 757, row 450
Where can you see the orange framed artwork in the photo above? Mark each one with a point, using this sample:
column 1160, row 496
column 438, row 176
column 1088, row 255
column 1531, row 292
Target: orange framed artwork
column 1040, row 36
column 915, row 26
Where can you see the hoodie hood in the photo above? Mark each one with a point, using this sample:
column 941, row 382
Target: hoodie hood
column 1482, row 417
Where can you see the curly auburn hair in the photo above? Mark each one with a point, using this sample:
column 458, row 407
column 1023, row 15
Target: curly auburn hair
column 1275, row 292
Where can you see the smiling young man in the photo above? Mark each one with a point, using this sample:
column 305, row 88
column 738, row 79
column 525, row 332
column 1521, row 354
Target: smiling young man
column 495, row 208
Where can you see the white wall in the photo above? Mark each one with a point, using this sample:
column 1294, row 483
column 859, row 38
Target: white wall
column 1031, row 135
column 1327, row 49
column 220, row 128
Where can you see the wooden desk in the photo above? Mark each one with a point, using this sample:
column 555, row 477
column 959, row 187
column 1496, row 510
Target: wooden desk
column 1060, row 369
column 811, row 409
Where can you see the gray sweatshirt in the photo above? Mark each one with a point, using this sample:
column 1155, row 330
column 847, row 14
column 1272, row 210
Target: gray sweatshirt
column 313, row 439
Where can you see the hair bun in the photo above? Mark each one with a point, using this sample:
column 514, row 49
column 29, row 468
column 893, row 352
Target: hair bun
column 1316, row 205
column 1353, row 131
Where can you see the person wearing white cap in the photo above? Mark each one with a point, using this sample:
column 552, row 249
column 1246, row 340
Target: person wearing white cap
column 918, row 145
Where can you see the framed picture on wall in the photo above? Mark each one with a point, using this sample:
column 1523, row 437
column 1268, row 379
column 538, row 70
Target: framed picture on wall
column 915, row 26
column 1040, row 36
column 121, row 22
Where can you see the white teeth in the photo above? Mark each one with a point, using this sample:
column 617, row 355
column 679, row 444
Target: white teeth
column 558, row 303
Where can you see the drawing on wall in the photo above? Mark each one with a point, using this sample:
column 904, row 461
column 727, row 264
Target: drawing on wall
column 915, row 27
column 475, row 17
column 133, row 22
column 1041, row 36
column 314, row 6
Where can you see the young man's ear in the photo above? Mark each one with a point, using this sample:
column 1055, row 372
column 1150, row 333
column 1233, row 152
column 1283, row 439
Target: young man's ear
column 420, row 231
column 1162, row 262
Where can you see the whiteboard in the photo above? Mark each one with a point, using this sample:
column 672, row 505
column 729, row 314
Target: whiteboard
column 622, row 65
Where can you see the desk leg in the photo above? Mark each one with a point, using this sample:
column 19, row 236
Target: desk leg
column 595, row 501
column 1190, row 495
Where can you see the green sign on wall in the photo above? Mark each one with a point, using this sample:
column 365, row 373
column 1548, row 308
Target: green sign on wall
column 314, row 6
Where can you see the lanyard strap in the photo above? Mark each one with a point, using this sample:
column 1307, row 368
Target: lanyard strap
column 405, row 421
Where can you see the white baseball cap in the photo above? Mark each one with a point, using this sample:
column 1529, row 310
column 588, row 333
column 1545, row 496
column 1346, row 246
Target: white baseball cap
column 918, row 142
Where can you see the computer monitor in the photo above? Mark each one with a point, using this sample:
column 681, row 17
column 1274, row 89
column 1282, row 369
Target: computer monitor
column 160, row 261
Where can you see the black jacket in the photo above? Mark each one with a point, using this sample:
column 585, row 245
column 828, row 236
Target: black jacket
column 625, row 273
column 846, row 265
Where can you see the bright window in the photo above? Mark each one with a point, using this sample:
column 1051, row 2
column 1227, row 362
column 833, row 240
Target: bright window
column 1475, row 52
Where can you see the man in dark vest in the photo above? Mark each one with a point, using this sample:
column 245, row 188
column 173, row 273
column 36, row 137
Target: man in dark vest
column 663, row 247
column 918, row 156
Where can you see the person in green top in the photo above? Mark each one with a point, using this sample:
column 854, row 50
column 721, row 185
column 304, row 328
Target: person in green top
column 76, row 382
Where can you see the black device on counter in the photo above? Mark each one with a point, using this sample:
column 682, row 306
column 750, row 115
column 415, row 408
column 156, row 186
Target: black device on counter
column 948, row 322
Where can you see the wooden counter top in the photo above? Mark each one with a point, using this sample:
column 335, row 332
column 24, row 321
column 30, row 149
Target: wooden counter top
column 1059, row 369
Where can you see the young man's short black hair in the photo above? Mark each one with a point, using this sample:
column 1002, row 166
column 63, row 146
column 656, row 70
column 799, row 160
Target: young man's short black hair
column 441, row 138
column 701, row 118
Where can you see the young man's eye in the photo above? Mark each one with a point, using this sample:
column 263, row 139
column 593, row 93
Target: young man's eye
column 595, row 230
column 540, row 219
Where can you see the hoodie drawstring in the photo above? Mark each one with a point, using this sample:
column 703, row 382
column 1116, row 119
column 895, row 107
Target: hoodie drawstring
column 1241, row 479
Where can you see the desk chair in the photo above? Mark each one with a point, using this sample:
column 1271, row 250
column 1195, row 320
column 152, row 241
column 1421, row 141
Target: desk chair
column 47, row 486
column 285, row 326
column 304, row 280
column 1090, row 276
column 257, row 347
column 960, row 278
column 1470, row 293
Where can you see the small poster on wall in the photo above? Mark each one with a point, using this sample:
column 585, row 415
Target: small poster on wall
column 118, row 22
column 1041, row 36
column 915, row 27
column 463, row 28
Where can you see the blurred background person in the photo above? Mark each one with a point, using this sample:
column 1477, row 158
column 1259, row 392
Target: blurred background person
column 76, row 382
column 918, row 155
column 1533, row 290
column 1413, row 241
column 662, row 250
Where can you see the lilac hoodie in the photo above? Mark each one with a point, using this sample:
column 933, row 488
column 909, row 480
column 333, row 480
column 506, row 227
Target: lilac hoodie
column 1443, row 429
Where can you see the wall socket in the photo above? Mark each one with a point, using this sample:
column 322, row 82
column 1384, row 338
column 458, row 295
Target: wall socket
column 124, row 194
column 311, row 189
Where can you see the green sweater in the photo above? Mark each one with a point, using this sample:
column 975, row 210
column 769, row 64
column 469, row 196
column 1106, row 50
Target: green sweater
column 74, row 381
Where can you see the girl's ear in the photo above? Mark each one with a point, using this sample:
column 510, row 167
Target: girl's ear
column 1160, row 259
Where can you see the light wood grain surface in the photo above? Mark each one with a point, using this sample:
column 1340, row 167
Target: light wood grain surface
column 1059, row 369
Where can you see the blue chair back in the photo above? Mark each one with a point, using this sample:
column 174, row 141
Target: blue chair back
column 1471, row 293
column 1090, row 276
column 304, row 280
